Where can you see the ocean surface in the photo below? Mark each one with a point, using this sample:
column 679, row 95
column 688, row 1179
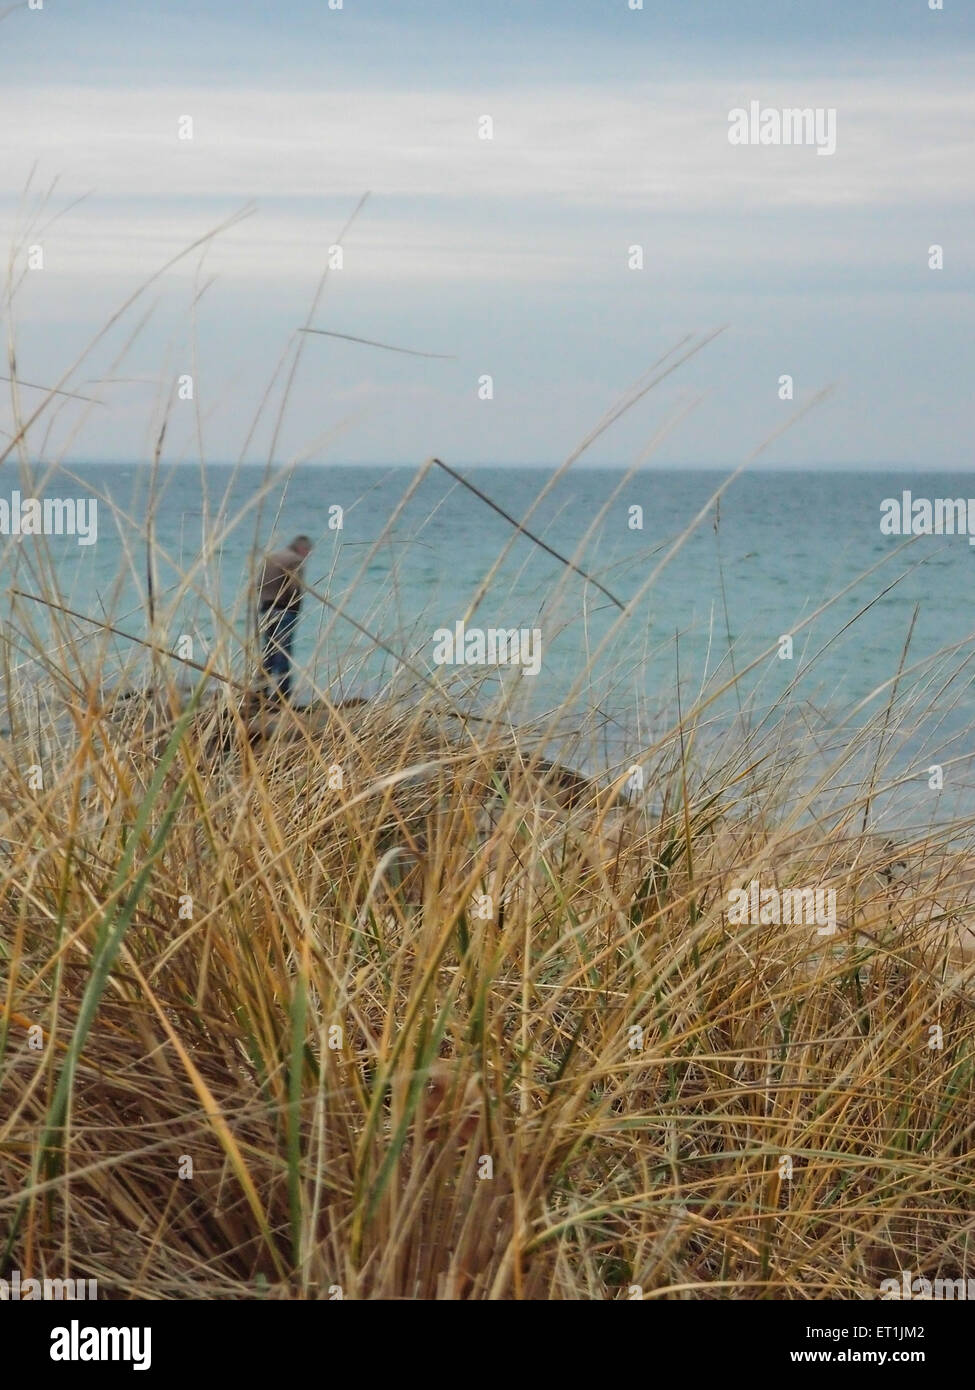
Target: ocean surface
column 709, row 589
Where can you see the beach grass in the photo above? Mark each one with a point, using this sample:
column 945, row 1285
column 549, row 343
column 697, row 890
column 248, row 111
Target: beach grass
column 376, row 998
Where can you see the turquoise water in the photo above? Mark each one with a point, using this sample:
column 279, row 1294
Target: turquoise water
column 786, row 543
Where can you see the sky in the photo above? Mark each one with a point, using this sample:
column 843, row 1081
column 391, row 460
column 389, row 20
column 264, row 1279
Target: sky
column 506, row 258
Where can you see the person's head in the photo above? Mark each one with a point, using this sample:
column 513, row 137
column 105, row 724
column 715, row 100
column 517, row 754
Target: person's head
column 301, row 545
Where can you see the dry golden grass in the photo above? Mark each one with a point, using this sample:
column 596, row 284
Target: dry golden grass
column 389, row 1085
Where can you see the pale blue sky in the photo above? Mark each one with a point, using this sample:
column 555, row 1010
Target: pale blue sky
column 610, row 129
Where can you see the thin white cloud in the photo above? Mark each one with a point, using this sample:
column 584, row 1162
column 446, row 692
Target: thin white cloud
column 647, row 152
column 580, row 146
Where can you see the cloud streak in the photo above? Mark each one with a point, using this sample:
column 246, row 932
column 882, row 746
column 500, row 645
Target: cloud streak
column 556, row 152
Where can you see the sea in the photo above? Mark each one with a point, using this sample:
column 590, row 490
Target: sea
column 722, row 607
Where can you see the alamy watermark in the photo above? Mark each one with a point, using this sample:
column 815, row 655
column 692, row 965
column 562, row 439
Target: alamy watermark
column 77, row 1343
column 792, row 125
column 923, row 516
column 494, row 646
column 50, row 516
column 760, row 906
column 16, row 1289
column 911, row 1285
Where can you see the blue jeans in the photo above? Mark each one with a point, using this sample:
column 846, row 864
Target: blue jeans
column 278, row 629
